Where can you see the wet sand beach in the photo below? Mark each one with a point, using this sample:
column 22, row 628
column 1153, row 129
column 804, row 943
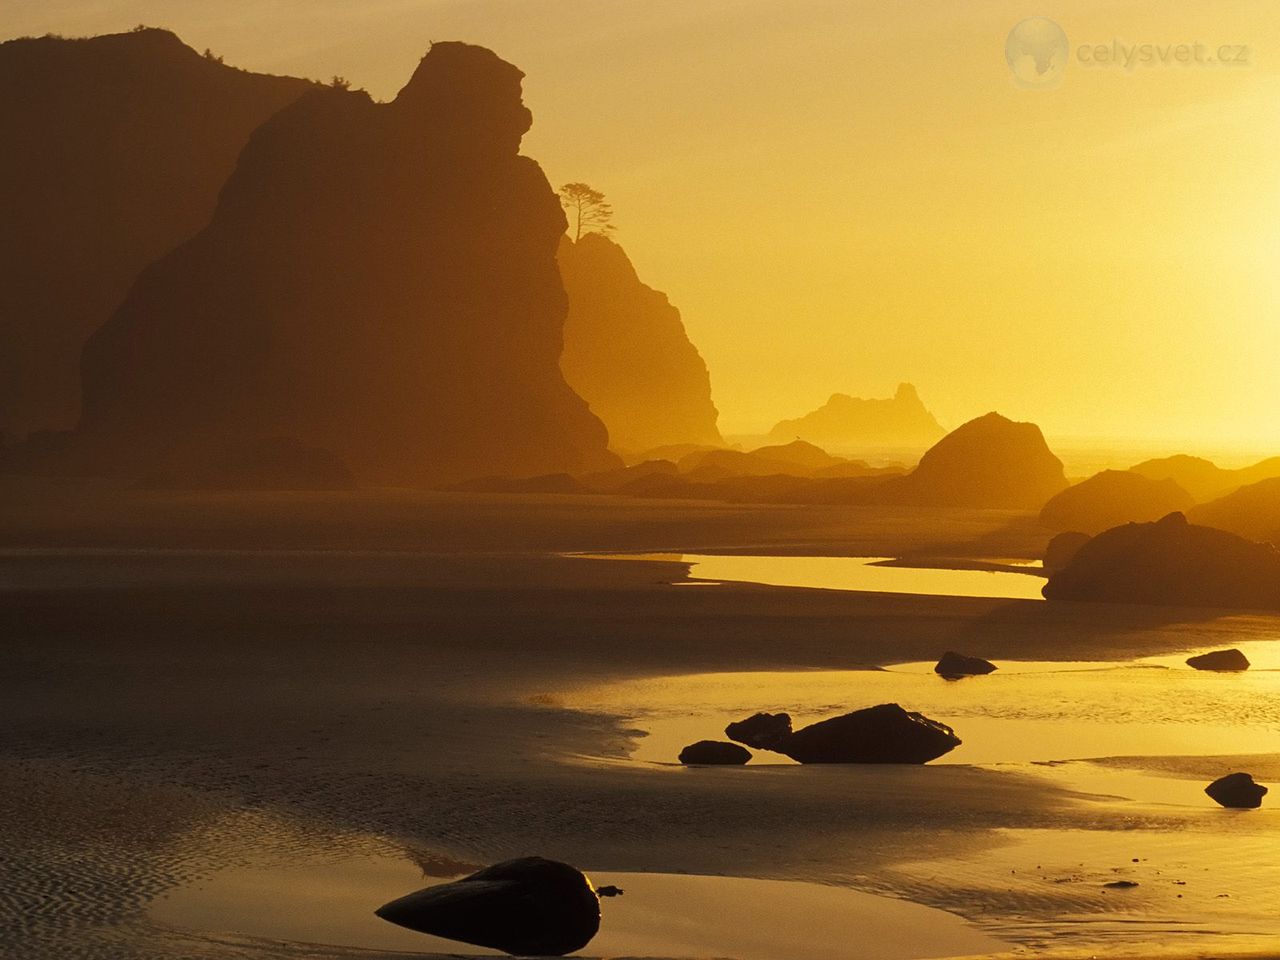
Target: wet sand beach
column 418, row 684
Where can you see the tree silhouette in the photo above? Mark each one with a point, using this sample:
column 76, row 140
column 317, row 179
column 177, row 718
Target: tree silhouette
column 588, row 207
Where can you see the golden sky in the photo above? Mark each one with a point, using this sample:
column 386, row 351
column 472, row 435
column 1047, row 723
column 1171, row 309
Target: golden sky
column 843, row 195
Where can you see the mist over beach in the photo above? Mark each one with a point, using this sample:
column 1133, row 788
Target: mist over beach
column 713, row 480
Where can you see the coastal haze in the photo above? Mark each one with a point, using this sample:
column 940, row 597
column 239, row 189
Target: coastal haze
column 843, row 197
column 671, row 481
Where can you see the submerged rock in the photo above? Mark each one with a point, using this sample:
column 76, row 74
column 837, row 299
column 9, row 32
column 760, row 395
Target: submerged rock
column 764, row 731
column 715, row 752
column 1237, row 790
column 954, row 665
column 527, row 907
column 1223, row 660
column 882, row 734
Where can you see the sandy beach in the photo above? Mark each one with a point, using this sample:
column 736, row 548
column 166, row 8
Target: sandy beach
column 392, row 685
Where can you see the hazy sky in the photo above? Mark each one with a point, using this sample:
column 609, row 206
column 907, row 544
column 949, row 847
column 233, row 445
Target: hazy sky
column 843, row 195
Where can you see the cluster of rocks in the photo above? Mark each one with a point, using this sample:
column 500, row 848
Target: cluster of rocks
column 881, row 734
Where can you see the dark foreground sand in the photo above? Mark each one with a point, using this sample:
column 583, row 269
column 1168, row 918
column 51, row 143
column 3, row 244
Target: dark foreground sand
column 190, row 683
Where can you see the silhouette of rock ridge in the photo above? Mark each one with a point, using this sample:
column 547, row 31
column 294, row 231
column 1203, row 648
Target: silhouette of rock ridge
column 114, row 150
column 626, row 352
column 1110, row 498
column 1174, row 563
column 379, row 280
column 845, row 421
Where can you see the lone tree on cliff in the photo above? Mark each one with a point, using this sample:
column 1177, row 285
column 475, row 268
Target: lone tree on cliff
column 588, row 209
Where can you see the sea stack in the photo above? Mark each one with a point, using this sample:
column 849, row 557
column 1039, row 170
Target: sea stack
column 626, row 352
column 114, row 150
column 379, row 281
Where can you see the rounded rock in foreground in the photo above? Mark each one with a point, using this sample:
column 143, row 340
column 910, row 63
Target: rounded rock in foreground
column 526, row 907
column 1238, row 791
column 1220, row 660
column 714, row 752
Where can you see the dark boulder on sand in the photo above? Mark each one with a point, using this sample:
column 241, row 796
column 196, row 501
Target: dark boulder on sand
column 527, row 907
column 1171, row 563
column 764, row 731
column 954, row 665
column 1227, row 661
column 1237, row 790
column 882, row 734
column 715, row 752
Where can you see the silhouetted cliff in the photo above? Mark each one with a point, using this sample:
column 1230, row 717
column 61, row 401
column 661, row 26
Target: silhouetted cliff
column 627, row 354
column 847, row 421
column 1171, row 562
column 1110, row 498
column 112, row 152
column 379, row 281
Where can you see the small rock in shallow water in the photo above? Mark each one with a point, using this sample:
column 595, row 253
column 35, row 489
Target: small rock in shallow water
column 715, row 752
column 1121, row 884
column 954, row 665
column 526, row 907
column 1237, row 790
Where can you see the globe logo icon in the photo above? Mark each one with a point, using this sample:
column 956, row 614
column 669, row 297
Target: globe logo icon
column 1036, row 51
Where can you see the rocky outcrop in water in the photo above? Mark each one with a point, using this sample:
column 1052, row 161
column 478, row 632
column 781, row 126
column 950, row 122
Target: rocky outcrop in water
column 1237, row 790
column 1223, row 661
column 379, row 280
column 1172, row 563
column 626, row 352
column 849, row 422
column 882, row 734
column 1110, row 498
column 529, row 907
column 114, row 150
column 954, row 665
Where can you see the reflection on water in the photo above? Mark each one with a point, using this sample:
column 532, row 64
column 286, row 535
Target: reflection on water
column 661, row 915
column 1200, row 892
column 1024, row 712
column 866, row 574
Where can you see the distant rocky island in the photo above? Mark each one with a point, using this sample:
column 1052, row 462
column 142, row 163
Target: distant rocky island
column 851, row 422
column 627, row 354
column 990, row 462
